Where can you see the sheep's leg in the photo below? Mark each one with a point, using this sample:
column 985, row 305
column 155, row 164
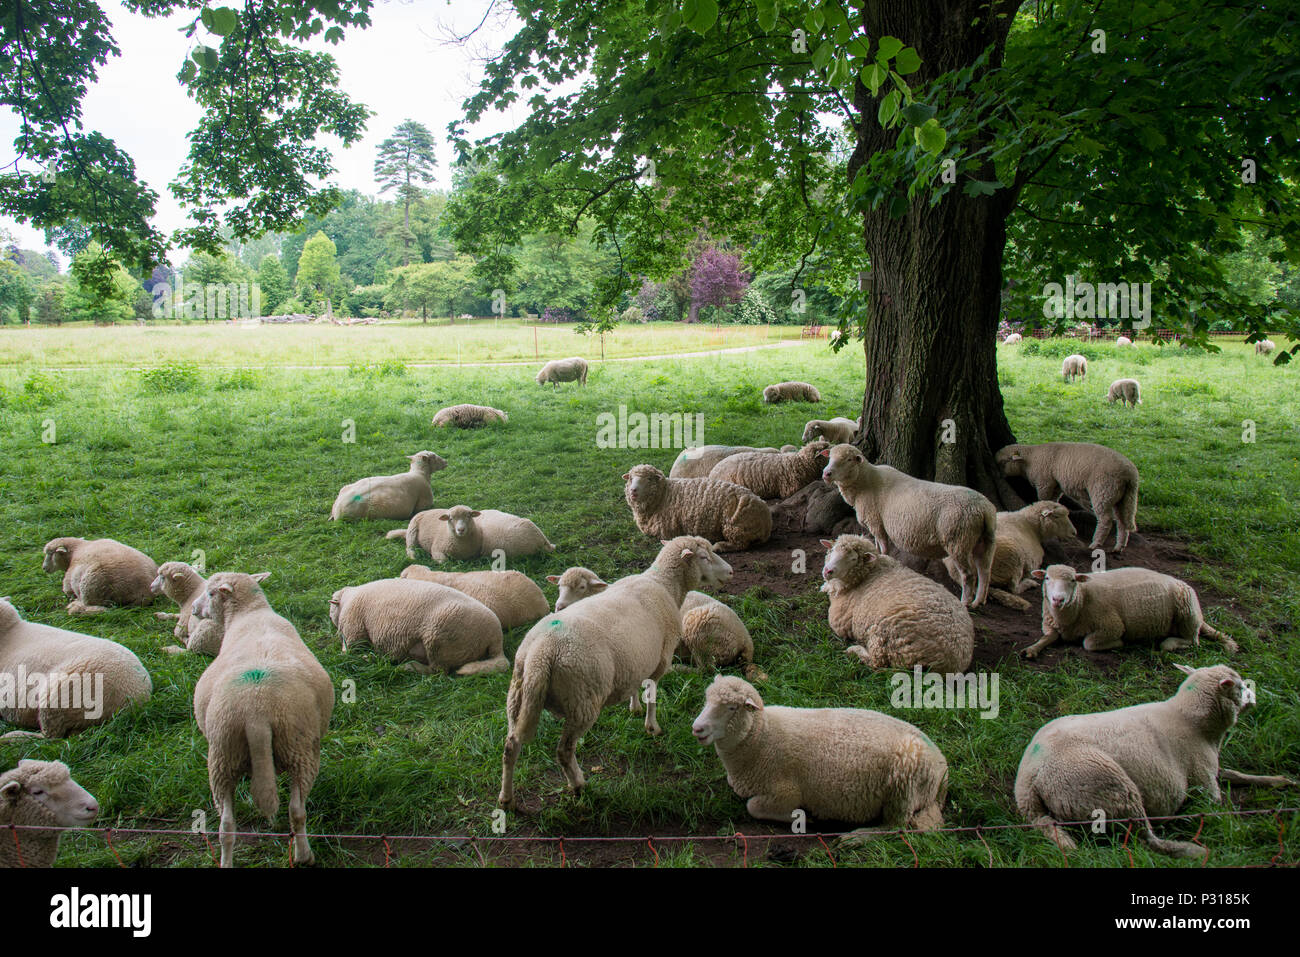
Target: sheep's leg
column 1175, row 644
column 418, row 667
column 779, row 804
column 1121, row 532
column 77, row 607
column 1255, row 780
column 1009, row 600
column 509, row 755
column 1103, row 641
column 1105, row 522
column 173, row 650
column 1025, row 585
column 634, row 703
column 1048, row 491
column 1048, row 639
column 226, row 803
column 17, row 735
column 857, row 651
column 298, row 789
column 165, row 615
column 566, row 755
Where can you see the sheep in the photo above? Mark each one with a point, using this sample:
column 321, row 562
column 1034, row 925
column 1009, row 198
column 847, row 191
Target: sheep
column 599, row 651
column 1092, row 475
column 573, row 369
column 1123, row 341
column 771, row 476
column 65, row 681
column 1019, row 549
column 698, row 461
column 512, row 596
column 1012, row 338
column 1075, row 365
column 892, row 616
column 40, row 794
column 263, row 704
column 467, row 416
column 842, row 764
column 462, row 532
column 713, row 636
column 929, row 519
column 1128, row 391
column 1264, row 347
column 183, row 584
column 426, row 626
column 791, row 392
column 390, row 496
column 576, row 584
column 1105, row 608
column 834, row 431
column 731, row 516
column 100, row 572
column 1138, row 762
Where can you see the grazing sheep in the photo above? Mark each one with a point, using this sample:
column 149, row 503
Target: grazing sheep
column 599, row 651
column 263, row 704
column 1019, row 549
column 1123, row 341
column 576, row 584
column 512, row 596
column 1128, row 391
column 698, row 461
column 1092, row 475
column 771, row 476
column 183, row 584
column 1012, row 338
column 428, row 626
column 462, row 532
column 1264, row 347
column 929, row 519
column 1075, row 365
column 100, row 572
column 1105, row 608
column 834, row 431
column 390, row 496
column 84, row 680
column 40, row 794
column 468, row 416
column 713, row 636
column 892, row 616
column 791, row 392
column 733, row 517
column 841, row 764
column 1138, row 762
column 573, row 369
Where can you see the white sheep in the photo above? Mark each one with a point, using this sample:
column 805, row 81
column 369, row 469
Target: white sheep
column 390, row 496
column 713, row 636
column 835, row 431
column 100, row 572
column 462, row 532
column 40, row 794
column 575, row 584
column 1127, row 391
column 1012, row 338
column 183, row 584
column 772, row 476
column 1123, row 341
column 573, row 369
column 512, row 596
column 791, row 392
column 929, row 519
column 1019, row 549
column 698, row 461
column 466, row 416
column 1138, row 762
column 1264, row 347
column 725, row 513
column 1107, row 609
column 263, row 704
column 1075, row 365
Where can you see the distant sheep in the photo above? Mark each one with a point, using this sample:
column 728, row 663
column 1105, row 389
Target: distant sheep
column 1012, row 338
column 1074, row 366
column 698, row 462
column 731, row 516
column 834, row 431
column 791, row 392
column 40, row 794
column 468, row 416
column 1019, row 549
column 772, row 476
column 1123, row 341
column 462, row 532
column 576, row 584
column 183, row 584
column 1264, row 347
column 563, row 370
column 100, row 572
column 713, row 636
column 512, row 596
column 1127, row 391
column 390, row 496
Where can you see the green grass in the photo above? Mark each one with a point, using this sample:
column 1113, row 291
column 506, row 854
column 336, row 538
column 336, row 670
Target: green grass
column 244, row 466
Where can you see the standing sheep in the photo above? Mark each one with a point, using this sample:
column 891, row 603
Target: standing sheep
column 1123, row 341
column 698, row 461
column 390, row 496
column 40, row 794
column 1075, row 365
column 573, row 369
column 791, row 392
column 1019, row 549
column 713, row 636
column 733, row 517
column 468, row 416
column 575, row 584
column 100, row 572
column 1264, row 347
column 512, row 596
column 771, row 476
column 834, row 431
column 1128, row 391
column 1012, row 339
column 183, row 584
column 462, row 532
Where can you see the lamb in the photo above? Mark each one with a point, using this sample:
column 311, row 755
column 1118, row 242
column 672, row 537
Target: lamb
column 1128, row 391
column 183, row 584
column 87, row 680
column 929, row 519
column 1264, row 347
column 512, row 596
column 576, row 584
column 713, row 636
column 573, row 369
column 40, row 794
column 771, row 476
column 698, row 461
column 727, row 514
column 893, row 616
column 791, row 392
column 1019, row 549
column 263, row 704
column 468, row 416
column 1137, row 762
column 1106, row 608
column 1123, row 341
column 462, row 532
column 1012, row 338
column 842, row 764
column 1092, row 475
column 428, row 626
column 390, row 496
column 834, row 431
column 599, row 652
column 100, row 572
column 1075, row 365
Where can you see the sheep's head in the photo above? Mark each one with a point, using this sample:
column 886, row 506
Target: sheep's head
column 47, row 788
column 697, row 557
column 227, row 591
column 542, row 377
column 8, row 615
column 175, row 580
column 336, row 602
column 1060, row 585
column 576, row 584
column 730, row 705
column 715, row 571
column 812, row 450
column 1233, row 695
column 1053, row 520
column 460, row 520
column 849, row 559
column 644, row 487
column 770, row 393
column 842, row 462
column 58, row 554
column 1012, row 460
column 427, row 462
column 812, row 431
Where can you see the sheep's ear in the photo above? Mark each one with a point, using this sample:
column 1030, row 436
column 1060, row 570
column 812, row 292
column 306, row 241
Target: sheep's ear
column 626, row 476
column 750, row 704
column 598, row 585
column 1226, row 683
column 1185, row 669
column 827, row 543
column 553, row 579
column 475, row 514
column 1016, row 457
column 1038, row 574
column 1082, row 578
column 1047, row 513
column 61, row 550
column 261, row 576
column 824, row 453
column 687, row 553
column 445, row 518
column 225, row 589
column 11, row 790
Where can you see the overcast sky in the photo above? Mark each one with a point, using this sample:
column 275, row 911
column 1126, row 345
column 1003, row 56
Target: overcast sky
column 401, row 68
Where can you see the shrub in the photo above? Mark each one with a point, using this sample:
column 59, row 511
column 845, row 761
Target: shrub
column 238, row 379
column 632, row 314
column 753, row 310
column 377, row 370
column 171, row 377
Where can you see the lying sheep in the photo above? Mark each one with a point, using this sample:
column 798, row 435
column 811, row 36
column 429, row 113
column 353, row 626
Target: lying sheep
column 563, row 370
column 462, row 532
column 1019, row 549
column 40, row 794
column 1128, row 391
column 1105, row 609
column 834, row 431
column 1138, row 762
column 576, row 584
column 892, row 616
column 87, row 680
column 1264, row 347
column 1075, row 365
column 1012, row 338
column 841, row 764
column 422, row 625
column 1123, row 341
column 733, row 517
column 929, row 519
column 100, row 572
column 263, row 704
column 512, row 596
column 467, row 416
column 1092, row 475
column 771, row 476
column 390, row 496
column 698, row 462
column 599, row 651
column 713, row 636
column 183, row 584
column 791, row 392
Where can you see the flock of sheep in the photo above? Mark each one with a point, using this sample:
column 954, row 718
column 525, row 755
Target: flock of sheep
column 264, row 702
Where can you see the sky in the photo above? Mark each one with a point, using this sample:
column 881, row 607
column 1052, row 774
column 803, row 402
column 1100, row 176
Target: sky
column 402, row 67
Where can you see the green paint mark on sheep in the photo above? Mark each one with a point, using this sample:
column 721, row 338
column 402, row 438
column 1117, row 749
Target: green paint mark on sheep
column 556, row 623
column 252, row 676
column 1036, row 748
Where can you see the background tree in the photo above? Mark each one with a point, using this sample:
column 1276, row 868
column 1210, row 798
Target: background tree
column 16, row 292
column 717, row 280
column 84, row 298
column 405, row 162
column 318, row 272
column 273, row 280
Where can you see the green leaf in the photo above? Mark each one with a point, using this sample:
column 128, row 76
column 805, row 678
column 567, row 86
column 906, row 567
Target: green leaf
column 873, row 74
column 888, row 47
column 188, row 71
column 930, row 136
column 888, row 108
column 822, row 55
column 222, row 21
column 907, row 61
column 766, row 15
column 704, row 15
column 918, row 113
column 979, row 187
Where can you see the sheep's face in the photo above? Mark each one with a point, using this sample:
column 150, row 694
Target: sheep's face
column 226, row 591
column 1060, row 585
column 460, row 521
column 335, row 604
column 428, row 462
column 576, row 584
column 541, row 377
column 172, row 579
column 1011, row 459
column 641, row 484
column 49, row 784
column 842, row 462
column 811, row 431
column 1237, row 694
column 714, row 569
column 57, row 556
column 770, row 393
column 729, row 708
column 847, row 557
column 1053, row 520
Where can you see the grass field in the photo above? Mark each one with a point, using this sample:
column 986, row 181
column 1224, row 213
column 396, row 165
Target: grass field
column 245, row 465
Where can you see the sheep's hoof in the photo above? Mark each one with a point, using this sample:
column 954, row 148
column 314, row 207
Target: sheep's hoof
column 653, row 729
column 173, row 650
column 859, row 837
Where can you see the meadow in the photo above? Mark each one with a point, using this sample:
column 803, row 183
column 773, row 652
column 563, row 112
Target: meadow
column 242, row 464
